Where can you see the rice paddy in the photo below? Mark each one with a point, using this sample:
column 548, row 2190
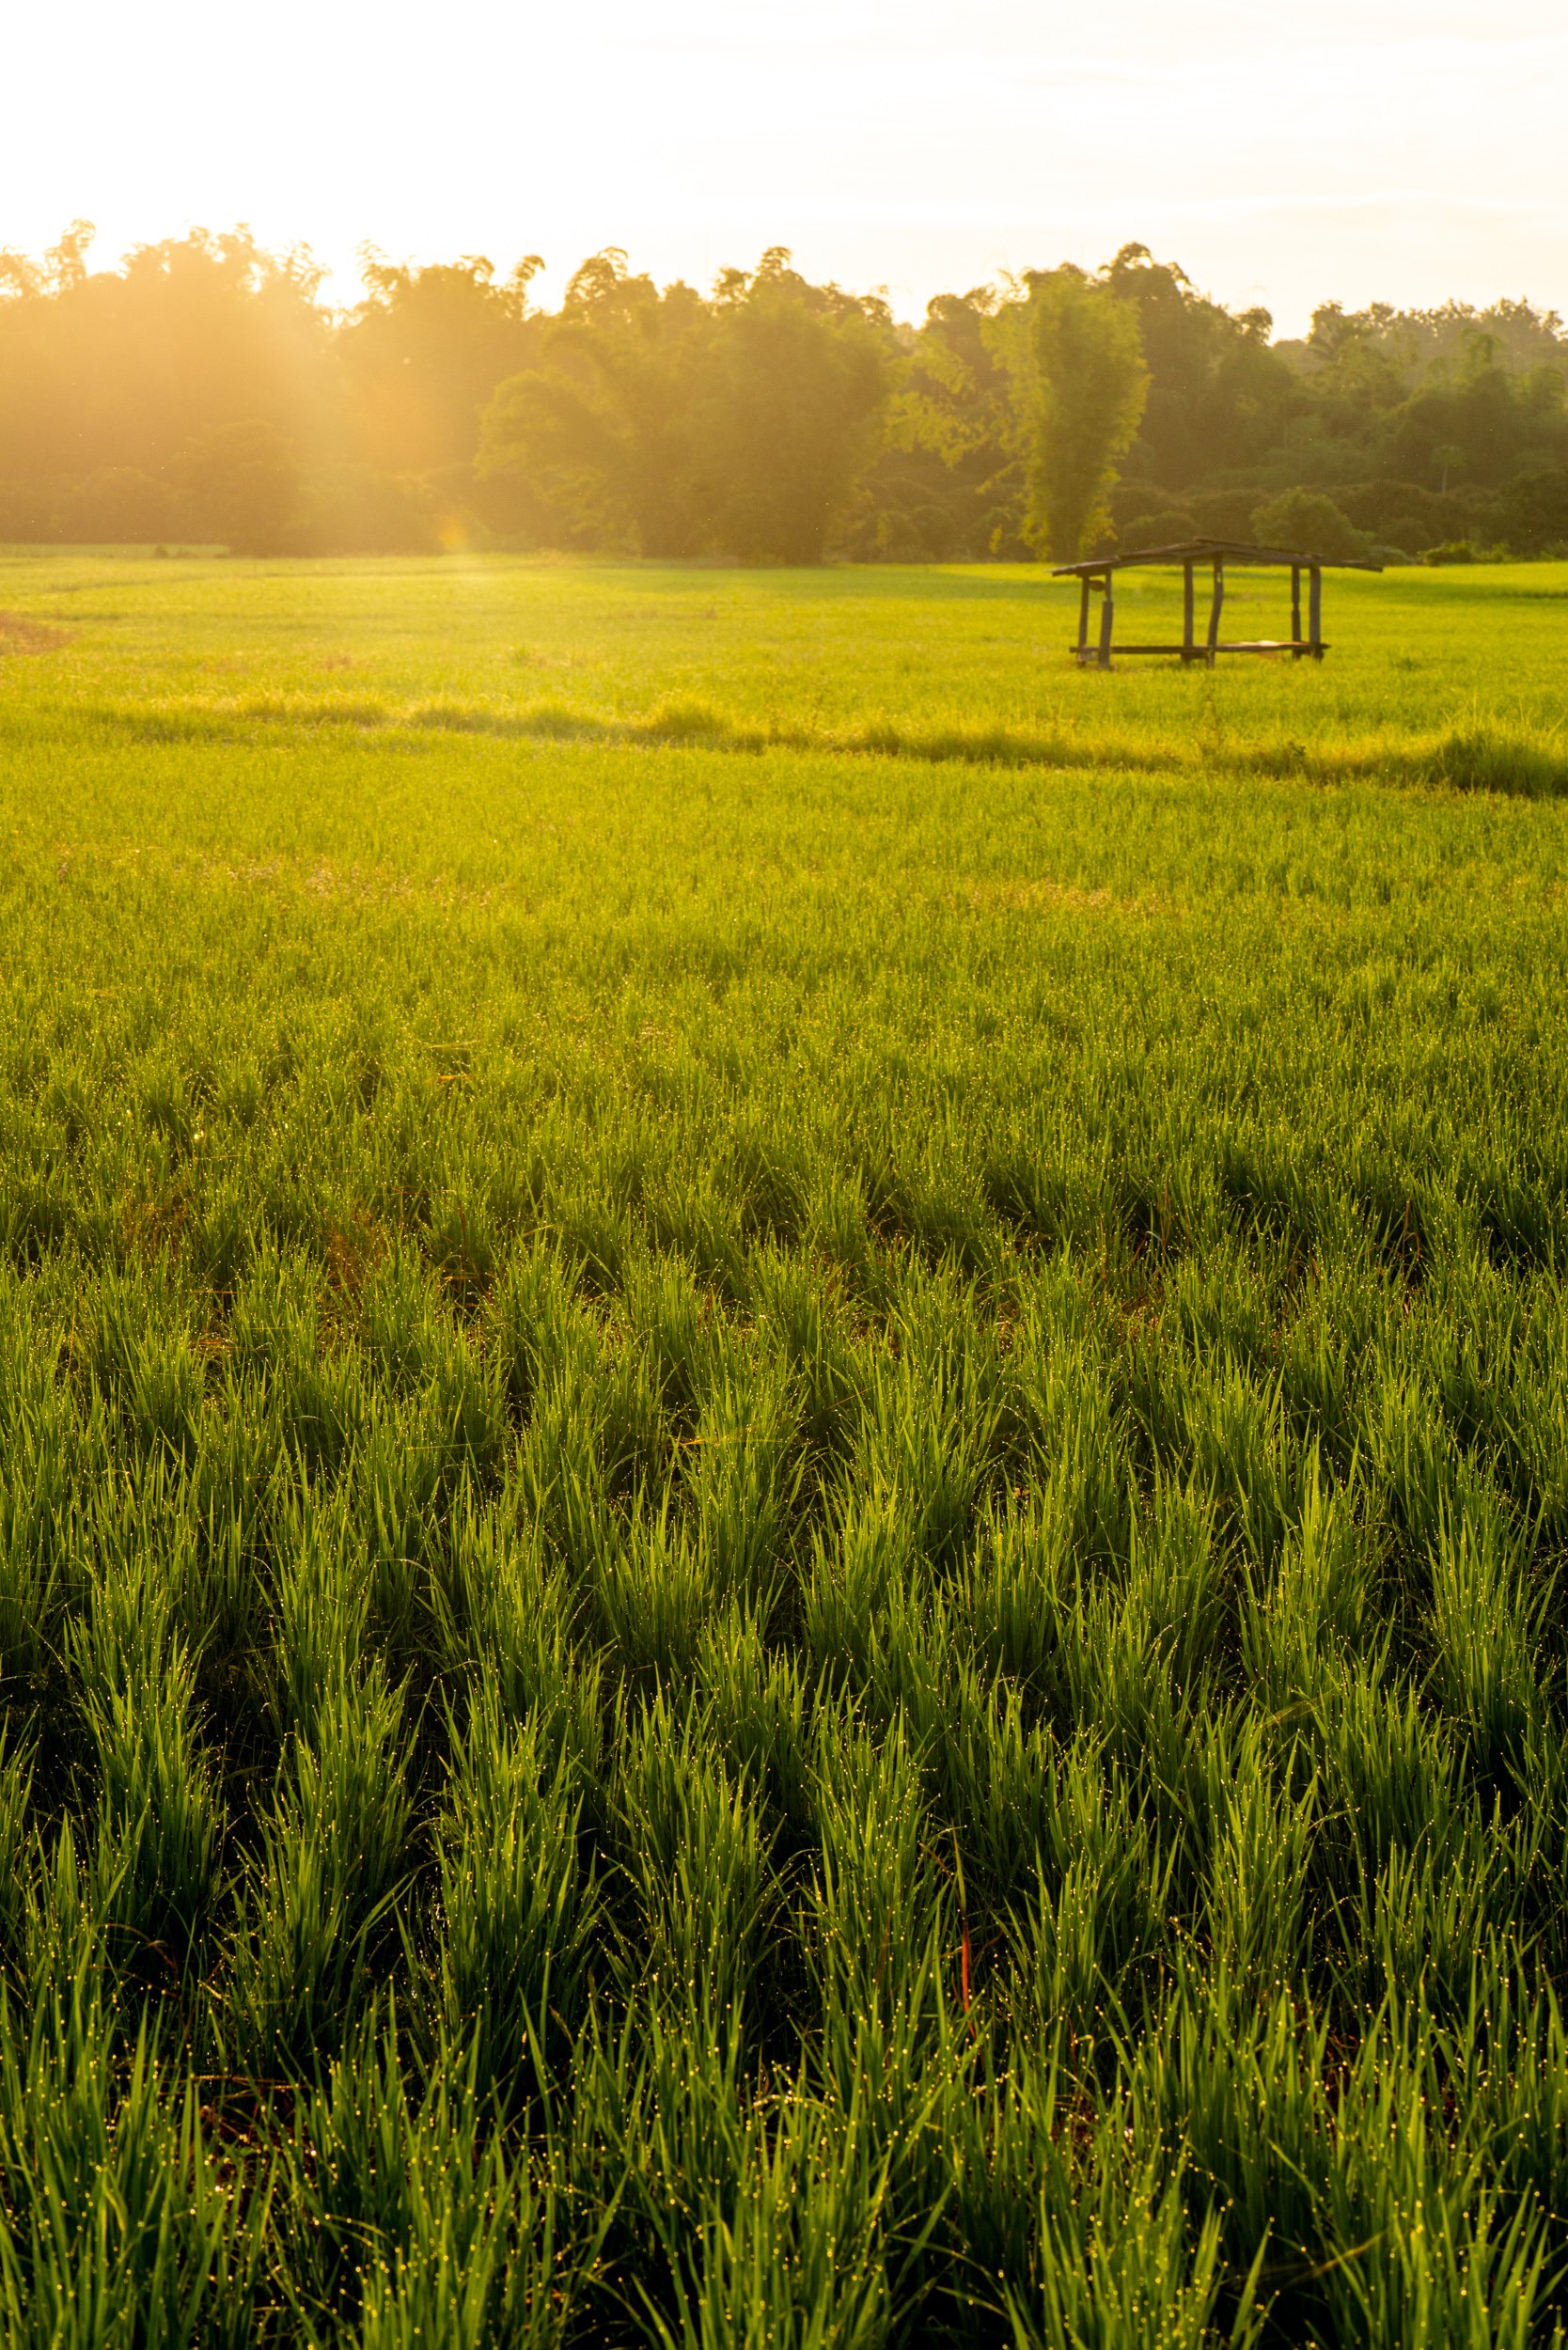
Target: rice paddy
column 784, row 1406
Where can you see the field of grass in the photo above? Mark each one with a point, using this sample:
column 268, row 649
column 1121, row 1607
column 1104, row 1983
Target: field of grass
column 783, row 1462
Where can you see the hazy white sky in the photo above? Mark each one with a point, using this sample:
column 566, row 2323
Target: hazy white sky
column 1363, row 148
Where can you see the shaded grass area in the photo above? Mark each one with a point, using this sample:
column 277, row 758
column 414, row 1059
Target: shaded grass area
column 780, row 1555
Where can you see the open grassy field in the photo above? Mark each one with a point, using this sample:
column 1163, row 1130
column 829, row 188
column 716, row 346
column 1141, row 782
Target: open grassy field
column 783, row 1462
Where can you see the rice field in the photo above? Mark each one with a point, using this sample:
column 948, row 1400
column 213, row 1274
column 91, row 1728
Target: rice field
column 784, row 1418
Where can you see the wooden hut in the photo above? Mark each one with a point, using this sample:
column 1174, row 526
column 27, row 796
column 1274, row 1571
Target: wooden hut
column 1097, row 574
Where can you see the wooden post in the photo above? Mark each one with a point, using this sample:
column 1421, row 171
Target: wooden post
column 1315, row 611
column 1083, row 620
column 1295, row 610
column 1215, row 608
column 1107, row 610
column 1188, row 647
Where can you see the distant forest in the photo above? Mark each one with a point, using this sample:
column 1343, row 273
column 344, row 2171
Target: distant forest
column 203, row 391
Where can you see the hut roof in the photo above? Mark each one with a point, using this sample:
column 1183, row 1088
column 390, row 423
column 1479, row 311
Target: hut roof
column 1205, row 550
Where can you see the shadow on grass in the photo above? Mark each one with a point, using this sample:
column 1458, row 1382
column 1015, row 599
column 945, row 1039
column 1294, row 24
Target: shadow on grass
column 1476, row 758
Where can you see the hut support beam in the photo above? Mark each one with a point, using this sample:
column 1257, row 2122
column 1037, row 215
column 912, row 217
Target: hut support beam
column 1106, row 614
column 1189, row 647
column 1215, row 608
column 1083, row 622
column 1315, row 612
column 1296, row 609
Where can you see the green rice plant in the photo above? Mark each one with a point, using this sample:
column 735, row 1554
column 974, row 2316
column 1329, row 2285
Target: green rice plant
column 1117, row 1659
column 1389, row 1773
column 312, row 1394
column 401, row 2219
column 533, row 1318
column 1433, row 1911
column 518, row 1901
column 1502, row 2055
column 220, row 1595
column 1176, row 1597
column 672, row 1318
column 694, row 1847
column 64, row 1937
column 1409, row 1462
column 1234, row 1435
column 1118, row 2265
column 1017, row 1583
column 332, row 1853
column 148, row 1370
column 1261, row 1844
column 503, row 1619
column 41, row 1441
column 795, row 1316
column 399, row 1325
column 395, row 1484
column 991, row 1771
column 1484, row 1624
column 1004, row 2137
column 875, row 1908
column 1300, row 1622
column 124, row 2225
column 861, row 1571
column 1533, row 1443
column 798, row 2254
column 1419, row 2250
column 757, row 1701
column 653, row 1587
column 323, row 1604
column 931, row 1419
column 1101, row 1899
column 16, row 1787
column 1244, row 2084
column 161, row 1818
column 742, row 1486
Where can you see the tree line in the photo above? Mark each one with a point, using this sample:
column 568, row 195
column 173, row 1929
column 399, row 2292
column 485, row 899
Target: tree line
column 203, row 390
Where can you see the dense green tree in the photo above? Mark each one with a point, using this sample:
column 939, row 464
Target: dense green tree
column 1219, row 396
column 1306, row 520
column 794, row 382
column 241, row 483
column 675, row 424
column 602, row 429
column 123, row 367
column 425, row 351
column 1479, row 423
column 1533, row 511
column 770, row 417
column 950, row 480
column 1079, row 386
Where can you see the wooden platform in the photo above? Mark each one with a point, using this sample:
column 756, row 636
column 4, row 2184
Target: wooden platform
column 1298, row 647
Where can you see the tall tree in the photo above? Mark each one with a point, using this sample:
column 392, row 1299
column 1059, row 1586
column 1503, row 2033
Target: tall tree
column 1219, row 396
column 676, row 426
column 424, row 352
column 946, row 485
column 1080, row 385
column 123, row 367
column 601, row 431
column 794, row 383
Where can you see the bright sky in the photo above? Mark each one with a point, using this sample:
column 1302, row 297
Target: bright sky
column 1403, row 150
